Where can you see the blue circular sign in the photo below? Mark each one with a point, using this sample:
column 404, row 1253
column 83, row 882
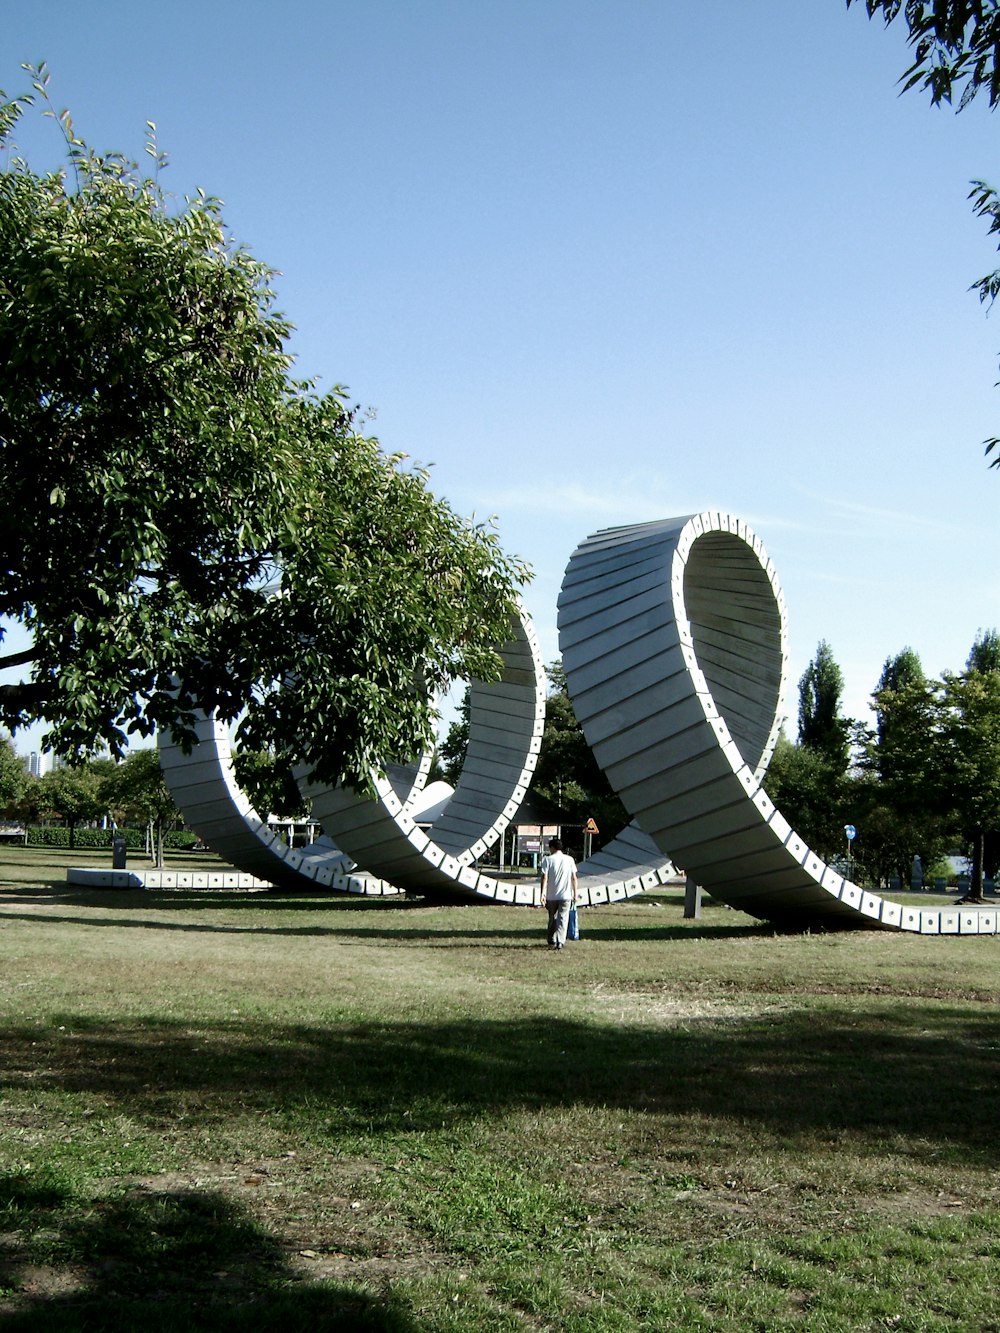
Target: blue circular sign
column 851, row 832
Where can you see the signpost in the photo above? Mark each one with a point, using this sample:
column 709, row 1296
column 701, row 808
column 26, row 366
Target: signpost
column 589, row 829
column 850, row 833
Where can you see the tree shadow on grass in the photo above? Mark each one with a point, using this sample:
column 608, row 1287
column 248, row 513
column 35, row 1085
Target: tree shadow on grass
column 795, row 1074
column 346, row 920
column 400, row 934
column 160, row 1261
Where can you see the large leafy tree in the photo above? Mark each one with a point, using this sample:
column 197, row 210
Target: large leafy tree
column 271, row 786
column 809, row 781
column 451, row 752
column 186, row 525
column 984, row 655
column 900, row 753
column 969, row 721
column 934, row 760
column 811, row 794
column 74, row 794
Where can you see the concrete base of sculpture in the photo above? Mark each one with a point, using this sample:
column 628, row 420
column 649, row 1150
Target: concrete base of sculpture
column 92, row 877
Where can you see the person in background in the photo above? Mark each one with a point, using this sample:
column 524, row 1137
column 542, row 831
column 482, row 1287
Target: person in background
column 558, row 891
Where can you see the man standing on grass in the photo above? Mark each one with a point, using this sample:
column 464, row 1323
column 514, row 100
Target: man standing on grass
column 558, row 891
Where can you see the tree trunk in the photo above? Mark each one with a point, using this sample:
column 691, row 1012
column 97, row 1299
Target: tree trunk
column 975, row 894
column 159, row 844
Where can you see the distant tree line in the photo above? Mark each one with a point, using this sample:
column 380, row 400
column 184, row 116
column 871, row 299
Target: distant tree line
column 923, row 781
column 130, row 792
column 128, row 795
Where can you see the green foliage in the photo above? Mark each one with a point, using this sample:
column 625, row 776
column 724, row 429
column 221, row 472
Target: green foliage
column 902, row 670
column 811, row 794
column 136, row 790
column 955, row 45
column 900, row 807
column 890, row 836
column 180, row 839
column 933, row 762
column 822, row 728
column 270, row 786
column 164, row 477
column 902, row 756
column 968, row 717
column 13, row 774
column 55, row 835
column 74, row 794
column 984, row 654
column 451, row 752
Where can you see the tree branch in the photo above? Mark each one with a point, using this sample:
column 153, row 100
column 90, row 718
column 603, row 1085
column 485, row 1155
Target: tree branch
column 17, row 659
column 24, row 695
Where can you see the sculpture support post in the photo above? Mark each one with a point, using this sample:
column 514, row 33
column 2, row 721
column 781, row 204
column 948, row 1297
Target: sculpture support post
column 692, row 900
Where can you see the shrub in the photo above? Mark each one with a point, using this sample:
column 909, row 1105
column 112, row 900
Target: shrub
column 91, row 839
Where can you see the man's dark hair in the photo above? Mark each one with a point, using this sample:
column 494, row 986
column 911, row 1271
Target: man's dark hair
column 555, row 845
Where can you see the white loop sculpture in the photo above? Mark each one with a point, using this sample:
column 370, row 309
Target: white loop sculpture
column 674, row 643
column 204, row 786
column 505, row 732
column 373, row 846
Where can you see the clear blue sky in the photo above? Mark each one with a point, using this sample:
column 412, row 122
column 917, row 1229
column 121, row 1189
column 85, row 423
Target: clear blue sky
column 607, row 262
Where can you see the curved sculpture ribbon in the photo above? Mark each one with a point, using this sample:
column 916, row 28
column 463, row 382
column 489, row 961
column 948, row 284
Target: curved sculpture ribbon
column 375, row 846
column 674, row 644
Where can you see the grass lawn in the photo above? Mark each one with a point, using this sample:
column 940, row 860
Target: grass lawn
column 233, row 1111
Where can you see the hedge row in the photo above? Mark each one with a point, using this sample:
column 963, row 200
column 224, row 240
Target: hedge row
column 100, row 838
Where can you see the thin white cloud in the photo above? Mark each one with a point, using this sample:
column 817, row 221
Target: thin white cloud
column 841, row 509
column 632, row 499
column 624, row 502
